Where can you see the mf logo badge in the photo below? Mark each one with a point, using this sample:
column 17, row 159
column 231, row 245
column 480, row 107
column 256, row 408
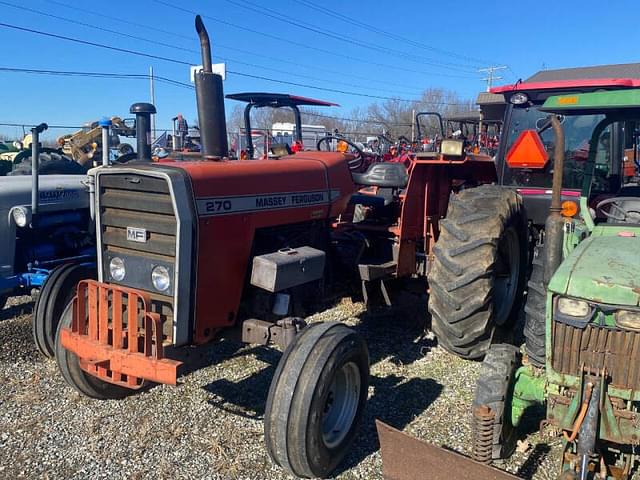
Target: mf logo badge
column 135, row 234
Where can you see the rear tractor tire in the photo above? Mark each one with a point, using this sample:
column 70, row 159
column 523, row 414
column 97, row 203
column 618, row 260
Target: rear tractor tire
column 478, row 273
column 492, row 431
column 534, row 309
column 69, row 365
column 56, row 293
column 316, row 400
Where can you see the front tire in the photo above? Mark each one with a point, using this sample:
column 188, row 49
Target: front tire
column 76, row 377
column 57, row 291
column 534, row 309
column 492, row 430
column 478, row 272
column 316, row 400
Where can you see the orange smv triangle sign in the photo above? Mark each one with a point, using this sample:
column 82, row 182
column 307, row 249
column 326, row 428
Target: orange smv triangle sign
column 527, row 151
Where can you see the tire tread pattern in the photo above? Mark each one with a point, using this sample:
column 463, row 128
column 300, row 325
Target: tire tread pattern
column 461, row 276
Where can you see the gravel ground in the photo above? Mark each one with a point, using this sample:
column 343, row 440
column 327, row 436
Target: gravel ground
column 210, row 426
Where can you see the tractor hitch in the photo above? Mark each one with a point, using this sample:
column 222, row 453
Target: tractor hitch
column 281, row 333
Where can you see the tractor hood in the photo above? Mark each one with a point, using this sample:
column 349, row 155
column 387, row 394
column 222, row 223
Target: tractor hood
column 602, row 269
column 57, row 192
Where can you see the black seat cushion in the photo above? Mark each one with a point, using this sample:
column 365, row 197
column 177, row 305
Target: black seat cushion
column 389, row 175
column 630, row 191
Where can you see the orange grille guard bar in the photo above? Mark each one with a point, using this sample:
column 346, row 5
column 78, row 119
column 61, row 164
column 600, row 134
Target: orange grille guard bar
column 106, row 347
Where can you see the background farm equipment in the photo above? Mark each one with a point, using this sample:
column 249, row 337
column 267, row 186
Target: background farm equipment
column 46, row 223
column 85, row 145
column 48, row 237
column 589, row 272
column 273, row 100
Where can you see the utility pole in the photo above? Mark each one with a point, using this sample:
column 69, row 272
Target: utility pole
column 413, row 125
column 491, row 77
column 153, row 102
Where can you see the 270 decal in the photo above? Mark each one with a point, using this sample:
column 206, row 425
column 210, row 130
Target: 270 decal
column 212, row 206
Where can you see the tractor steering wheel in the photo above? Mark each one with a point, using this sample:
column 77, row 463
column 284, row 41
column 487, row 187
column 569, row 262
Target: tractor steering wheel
column 355, row 163
column 615, row 211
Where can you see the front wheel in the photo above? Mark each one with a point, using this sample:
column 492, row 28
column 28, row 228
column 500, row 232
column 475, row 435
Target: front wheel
column 76, row 377
column 56, row 293
column 492, row 431
column 534, row 309
column 316, row 399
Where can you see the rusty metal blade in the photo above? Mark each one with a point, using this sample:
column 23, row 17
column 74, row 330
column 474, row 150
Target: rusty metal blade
column 407, row 458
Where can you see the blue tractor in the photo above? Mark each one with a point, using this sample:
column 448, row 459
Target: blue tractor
column 47, row 233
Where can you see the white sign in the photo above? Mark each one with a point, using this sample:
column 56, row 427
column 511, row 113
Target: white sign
column 218, row 68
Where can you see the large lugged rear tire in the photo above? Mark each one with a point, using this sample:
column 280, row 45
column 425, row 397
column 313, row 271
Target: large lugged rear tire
column 316, row 400
column 534, row 309
column 75, row 376
column 492, row 431
column 58, row 290
column 478, row 272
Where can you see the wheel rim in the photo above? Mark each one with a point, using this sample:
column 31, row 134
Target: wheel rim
column 507, row 274
column 341, row 404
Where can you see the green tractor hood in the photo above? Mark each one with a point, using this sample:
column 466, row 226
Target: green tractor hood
column 604, row 269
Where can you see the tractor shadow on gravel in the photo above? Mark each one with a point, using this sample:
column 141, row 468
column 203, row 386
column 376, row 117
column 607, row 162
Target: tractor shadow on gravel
column 17, row 310
column 247, row 397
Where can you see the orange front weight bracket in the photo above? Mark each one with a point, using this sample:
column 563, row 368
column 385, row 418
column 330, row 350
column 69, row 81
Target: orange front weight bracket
column 116, row 343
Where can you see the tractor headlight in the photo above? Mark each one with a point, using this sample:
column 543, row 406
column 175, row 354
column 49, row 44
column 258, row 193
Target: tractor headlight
column 519, row 98
column 160, row 278
column 20, row 216
column 572, row 307
column 117, row 269
column 628, row 319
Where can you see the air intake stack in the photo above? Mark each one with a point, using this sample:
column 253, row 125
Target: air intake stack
column 143, row 112
column 210, row 102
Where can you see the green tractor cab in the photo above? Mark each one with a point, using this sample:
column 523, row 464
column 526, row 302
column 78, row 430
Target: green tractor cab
column 589, row 381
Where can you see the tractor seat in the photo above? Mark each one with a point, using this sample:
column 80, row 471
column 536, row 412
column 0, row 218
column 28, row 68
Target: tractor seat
column 630, row 191
column 385, row 175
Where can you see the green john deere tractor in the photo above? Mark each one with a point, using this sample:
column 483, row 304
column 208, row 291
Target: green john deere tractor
column 590, row 377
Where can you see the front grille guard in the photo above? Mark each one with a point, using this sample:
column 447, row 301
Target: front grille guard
column 104, row 342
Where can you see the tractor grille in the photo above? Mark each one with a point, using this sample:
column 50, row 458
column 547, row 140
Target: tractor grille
column 618, row 351
column 131, row 200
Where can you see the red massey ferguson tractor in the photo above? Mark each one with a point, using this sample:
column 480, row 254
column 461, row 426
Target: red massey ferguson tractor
column 189, row 251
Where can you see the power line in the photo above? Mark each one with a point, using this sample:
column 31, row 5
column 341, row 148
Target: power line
column 231, row 72
column 345, row 38
column 36, row 124
column 94, row 44
column 64, row 73
column 375, row 29
column 334, row 54
column 120, row 19
column 102, row 29
column 355, row 120
column 115, row 32
column 231, row 48
column 491, row 77
column 170, row 81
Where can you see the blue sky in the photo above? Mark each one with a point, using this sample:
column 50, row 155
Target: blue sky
column 441, row 45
